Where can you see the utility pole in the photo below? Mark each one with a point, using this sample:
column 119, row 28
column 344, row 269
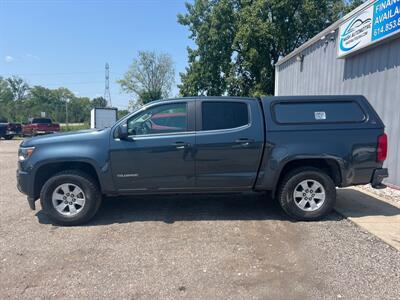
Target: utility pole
column 107, row 94
column 66, row 113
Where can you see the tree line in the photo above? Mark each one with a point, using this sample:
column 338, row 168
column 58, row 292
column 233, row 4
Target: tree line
column 19, row 101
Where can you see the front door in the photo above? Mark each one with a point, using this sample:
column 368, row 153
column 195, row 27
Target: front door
column 158, row 155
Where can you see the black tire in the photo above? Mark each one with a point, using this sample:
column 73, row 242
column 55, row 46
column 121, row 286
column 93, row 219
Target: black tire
column 86, row 183
column 8, row 137
column 287, row 189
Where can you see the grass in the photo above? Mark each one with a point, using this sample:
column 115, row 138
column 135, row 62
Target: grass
column 74, row 127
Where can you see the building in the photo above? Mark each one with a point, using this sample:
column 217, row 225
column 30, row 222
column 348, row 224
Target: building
column 359, row 54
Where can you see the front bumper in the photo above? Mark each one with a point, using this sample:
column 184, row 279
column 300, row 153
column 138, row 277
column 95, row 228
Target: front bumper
column 377, row 178
column 24, row 185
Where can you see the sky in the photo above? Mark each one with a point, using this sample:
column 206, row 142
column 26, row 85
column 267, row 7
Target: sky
column 66, row 43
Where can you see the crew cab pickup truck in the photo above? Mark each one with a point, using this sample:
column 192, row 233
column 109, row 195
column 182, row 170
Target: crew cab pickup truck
column 9, row 130
column 38, row 126
column 299, row 149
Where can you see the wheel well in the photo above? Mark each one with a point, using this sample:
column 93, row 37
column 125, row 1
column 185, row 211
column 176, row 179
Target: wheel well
column 48, row 170
column 329, row 166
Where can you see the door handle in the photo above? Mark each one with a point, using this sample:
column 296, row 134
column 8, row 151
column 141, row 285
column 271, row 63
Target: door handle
column 180, row 145
column 244, row 141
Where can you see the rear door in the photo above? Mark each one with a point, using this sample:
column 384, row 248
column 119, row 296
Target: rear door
column 229, row 143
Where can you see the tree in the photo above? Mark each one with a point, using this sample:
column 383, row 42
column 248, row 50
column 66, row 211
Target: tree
column 99, row 102
column 150, row 76
column 238, row 42
column 18, row 102
column 122, row 113
column 18, row 87
column 6, row 99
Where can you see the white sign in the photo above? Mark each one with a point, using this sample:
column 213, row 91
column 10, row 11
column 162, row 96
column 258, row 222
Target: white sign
column 356, row 33
column 376, row 22
column 103, row 117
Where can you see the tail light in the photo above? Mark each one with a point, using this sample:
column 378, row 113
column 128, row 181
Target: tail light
column 382, row 147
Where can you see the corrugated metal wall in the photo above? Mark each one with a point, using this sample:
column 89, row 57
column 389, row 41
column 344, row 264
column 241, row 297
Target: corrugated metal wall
column 374, row 73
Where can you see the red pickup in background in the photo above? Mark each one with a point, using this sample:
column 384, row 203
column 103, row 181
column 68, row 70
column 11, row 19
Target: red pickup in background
column 37, row 126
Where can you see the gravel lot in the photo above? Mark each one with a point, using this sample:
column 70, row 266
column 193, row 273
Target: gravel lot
column 189, row 247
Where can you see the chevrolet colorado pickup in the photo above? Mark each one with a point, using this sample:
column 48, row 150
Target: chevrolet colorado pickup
column 299, row 149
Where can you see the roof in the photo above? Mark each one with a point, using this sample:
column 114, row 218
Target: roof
column 324, row 33
column 222, row 98
column 312, row 98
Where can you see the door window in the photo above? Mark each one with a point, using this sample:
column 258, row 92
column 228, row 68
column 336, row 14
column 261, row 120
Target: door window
column 166, row 118
column 223, row 115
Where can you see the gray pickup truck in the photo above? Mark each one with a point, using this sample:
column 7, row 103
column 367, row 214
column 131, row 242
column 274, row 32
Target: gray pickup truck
column 297, row 148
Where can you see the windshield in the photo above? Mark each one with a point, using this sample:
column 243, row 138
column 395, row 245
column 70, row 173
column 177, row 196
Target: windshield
column 41, row 121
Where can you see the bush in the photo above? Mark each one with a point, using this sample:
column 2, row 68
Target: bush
column 74, row 127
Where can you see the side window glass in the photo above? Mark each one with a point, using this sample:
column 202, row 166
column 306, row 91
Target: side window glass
column 224, row 115
column 318, row 112
column 164, row 118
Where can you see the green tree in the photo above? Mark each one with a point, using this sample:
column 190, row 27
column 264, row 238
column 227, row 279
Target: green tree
column 6, row 99
column 122, row 113
column 13, row 92
column 238, row 42
column 150, row 76
column 99, row 102
column 18, row 102
column 18, row 87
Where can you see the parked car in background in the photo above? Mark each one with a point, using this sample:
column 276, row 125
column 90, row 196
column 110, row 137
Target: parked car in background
column 9, row 130
column 297, row 148
column 38, row 126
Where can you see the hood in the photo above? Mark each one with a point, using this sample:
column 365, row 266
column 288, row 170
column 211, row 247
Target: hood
column 67, row 137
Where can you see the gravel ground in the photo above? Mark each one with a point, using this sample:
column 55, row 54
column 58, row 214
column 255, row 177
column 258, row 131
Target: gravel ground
column 189, row 247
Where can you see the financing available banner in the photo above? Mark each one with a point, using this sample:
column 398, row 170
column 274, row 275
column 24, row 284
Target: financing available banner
column 375, row 23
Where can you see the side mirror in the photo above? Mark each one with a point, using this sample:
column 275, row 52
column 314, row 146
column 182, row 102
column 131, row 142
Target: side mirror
column 123, row 131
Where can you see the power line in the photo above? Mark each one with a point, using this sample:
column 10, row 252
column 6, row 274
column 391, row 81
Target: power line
column 44, row 74
column 71, row 83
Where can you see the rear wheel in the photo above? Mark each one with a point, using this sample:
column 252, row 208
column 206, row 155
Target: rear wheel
column 8, row 137
column 307, row 194
column 70, row 198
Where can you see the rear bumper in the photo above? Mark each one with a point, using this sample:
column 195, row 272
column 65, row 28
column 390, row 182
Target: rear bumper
column 377, row 178
column 45, row 131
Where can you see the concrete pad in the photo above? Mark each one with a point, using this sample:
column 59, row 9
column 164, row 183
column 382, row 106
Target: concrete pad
column 371, row 213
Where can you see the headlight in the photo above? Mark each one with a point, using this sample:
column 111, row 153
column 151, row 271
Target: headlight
column 25, row 153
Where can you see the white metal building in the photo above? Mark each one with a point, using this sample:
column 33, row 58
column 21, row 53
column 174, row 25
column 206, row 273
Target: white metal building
column 359, row 54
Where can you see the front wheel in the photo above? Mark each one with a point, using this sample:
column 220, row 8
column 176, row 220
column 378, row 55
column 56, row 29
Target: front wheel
column 70, row 198
column 8, row 137
column 307, row 194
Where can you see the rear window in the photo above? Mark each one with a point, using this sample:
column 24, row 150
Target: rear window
column 318, row 112
column 224, row 115
column 41, row 121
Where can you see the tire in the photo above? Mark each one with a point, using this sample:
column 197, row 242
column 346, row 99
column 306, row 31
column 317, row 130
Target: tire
column 293, row 192
column 8, row 137
column 73, row 181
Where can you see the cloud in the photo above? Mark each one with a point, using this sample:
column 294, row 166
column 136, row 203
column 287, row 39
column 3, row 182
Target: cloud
column 31, row 56
column 9, row 59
